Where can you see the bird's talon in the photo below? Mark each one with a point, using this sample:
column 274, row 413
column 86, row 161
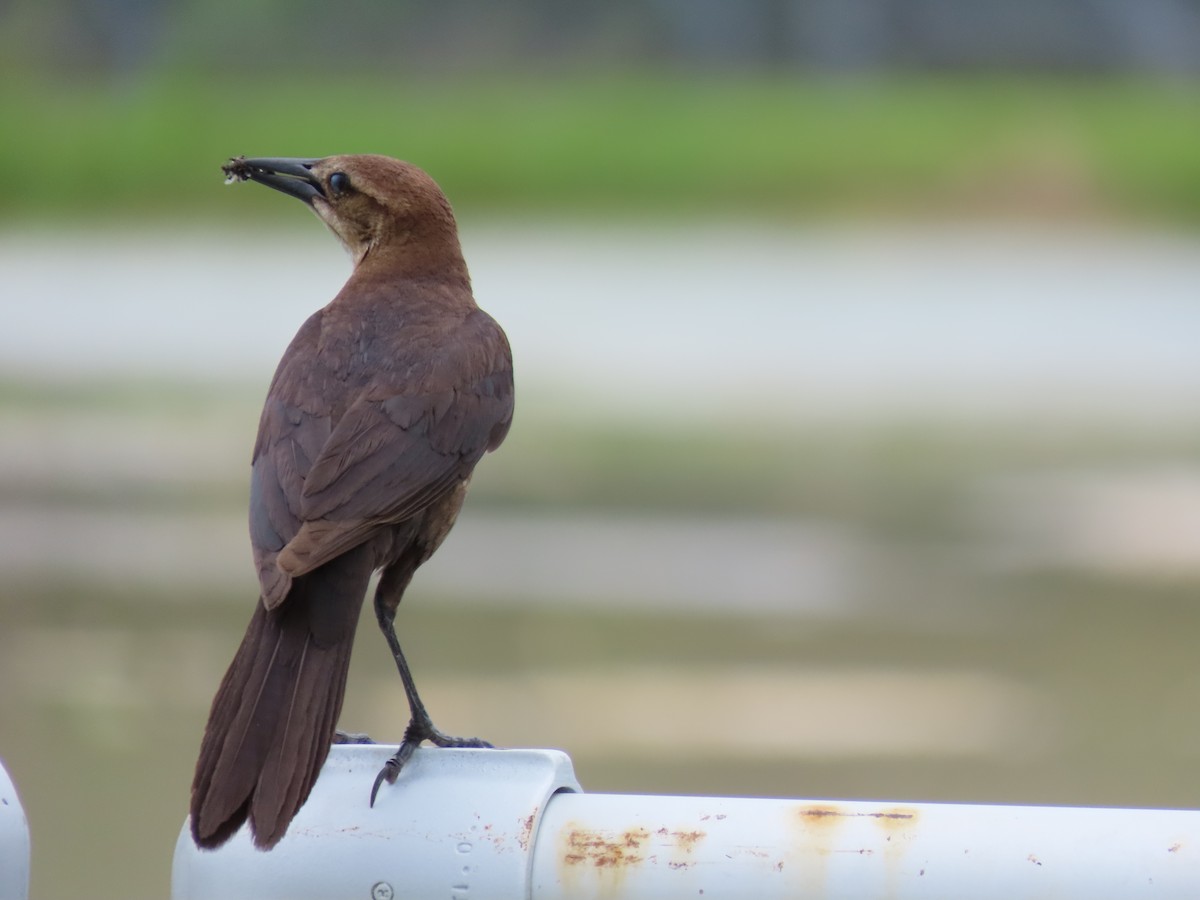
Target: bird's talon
column 375, row 790
column 389, row 773
column 391, row 769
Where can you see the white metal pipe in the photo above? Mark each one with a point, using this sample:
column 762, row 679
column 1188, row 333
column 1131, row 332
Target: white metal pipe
column 512, row 824
column 633, row 847
column 458, row 824
column 14, row 842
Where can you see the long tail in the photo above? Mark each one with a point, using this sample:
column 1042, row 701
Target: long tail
column 275, row 713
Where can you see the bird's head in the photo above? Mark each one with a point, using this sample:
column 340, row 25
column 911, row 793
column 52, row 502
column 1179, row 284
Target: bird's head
column 380, row 208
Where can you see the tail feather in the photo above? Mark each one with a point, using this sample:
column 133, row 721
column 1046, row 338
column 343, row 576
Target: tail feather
column 274, row 715
column 306, row 731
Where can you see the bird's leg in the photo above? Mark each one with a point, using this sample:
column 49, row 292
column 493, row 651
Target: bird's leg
column 420, row 727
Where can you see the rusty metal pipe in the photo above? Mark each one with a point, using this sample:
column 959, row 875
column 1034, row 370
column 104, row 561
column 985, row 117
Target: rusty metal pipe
column 635, row 847
column 513, row 825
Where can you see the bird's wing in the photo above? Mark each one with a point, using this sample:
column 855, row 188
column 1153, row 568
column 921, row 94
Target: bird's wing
column 291, row 438
column 295, row 425
column 388, row 458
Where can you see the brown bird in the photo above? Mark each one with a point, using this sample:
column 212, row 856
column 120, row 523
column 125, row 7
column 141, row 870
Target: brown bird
column 379, row 410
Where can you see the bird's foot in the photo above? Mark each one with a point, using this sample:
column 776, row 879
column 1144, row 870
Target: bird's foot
column 351, row 737
column 414, row 735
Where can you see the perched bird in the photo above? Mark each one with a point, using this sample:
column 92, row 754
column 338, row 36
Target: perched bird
column 378, row 412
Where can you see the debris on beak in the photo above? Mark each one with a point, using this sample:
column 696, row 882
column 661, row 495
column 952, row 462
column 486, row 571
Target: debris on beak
column 237, row 169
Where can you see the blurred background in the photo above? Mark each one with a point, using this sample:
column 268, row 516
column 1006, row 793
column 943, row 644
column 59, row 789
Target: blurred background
column 856, row 444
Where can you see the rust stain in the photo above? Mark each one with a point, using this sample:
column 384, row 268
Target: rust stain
column 818, row 815
column 526, row 829
column 818, row 824
column 822, row 835
column 895, row 818
column 897, row 823
column 898, row 812
column 687, row 840
column 604, row 850
column 819, row 821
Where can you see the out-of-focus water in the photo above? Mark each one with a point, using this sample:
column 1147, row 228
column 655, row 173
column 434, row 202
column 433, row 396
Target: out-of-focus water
column 662, row 322
column 978, row 582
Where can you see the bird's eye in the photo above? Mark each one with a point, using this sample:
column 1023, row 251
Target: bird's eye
column 339, row 182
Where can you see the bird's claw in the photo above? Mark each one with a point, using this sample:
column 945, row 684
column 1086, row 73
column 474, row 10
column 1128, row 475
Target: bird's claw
column 413, row 736
column 389, row 773
column 391, row 769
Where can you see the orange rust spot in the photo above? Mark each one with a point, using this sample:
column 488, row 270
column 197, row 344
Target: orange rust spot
column 894, row 819
column 687, row 840
column 526, row 829
column 820, row 815
column 604, row 850
column 616, row 860
column 820, row 823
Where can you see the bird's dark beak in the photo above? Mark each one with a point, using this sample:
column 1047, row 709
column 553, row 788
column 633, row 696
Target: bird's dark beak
column 291, row 176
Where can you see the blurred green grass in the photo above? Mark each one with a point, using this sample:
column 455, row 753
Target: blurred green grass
column 649, row 143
